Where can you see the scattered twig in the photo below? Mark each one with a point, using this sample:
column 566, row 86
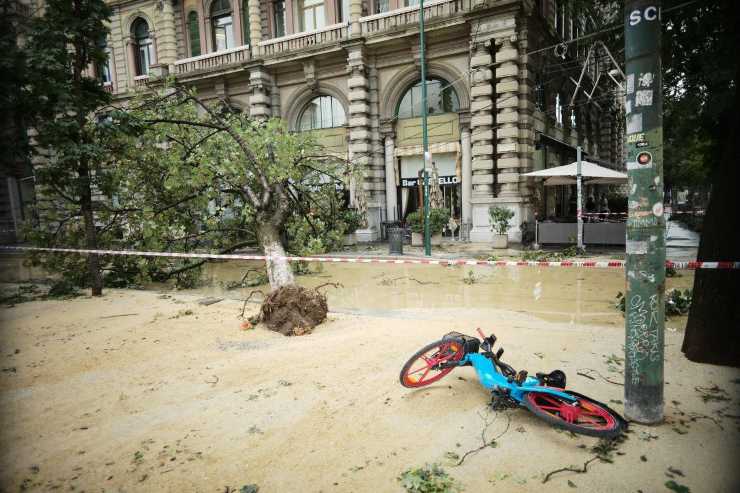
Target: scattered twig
column 244, row 306
column 697, row 416
column 214, row 382
column 582, row 470
column 486, row 443
column 336, row 285
column 120, row 315
column 388, row 282
column 584, row 373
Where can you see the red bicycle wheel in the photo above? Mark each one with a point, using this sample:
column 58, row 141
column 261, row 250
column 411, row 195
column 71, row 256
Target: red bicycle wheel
column 423, row 367
column 584, row 416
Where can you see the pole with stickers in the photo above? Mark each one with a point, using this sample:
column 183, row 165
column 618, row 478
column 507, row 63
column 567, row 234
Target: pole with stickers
column 645, row 247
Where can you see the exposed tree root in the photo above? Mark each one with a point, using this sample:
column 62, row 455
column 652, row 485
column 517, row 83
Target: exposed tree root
column 293, row 310
column 244, row 306
column 335, row 285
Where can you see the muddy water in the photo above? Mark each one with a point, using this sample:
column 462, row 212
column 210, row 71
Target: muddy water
column 574, row 295
column 571, row 295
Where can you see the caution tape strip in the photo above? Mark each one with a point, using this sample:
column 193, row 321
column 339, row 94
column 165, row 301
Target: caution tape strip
column 597, row 264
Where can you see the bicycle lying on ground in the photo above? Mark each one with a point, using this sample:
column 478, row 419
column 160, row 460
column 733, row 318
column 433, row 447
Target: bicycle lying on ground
column 544, row 394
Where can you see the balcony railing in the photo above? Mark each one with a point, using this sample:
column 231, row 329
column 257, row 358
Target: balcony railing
column 212, row 61
column 141, row 80
column 409, row 16
column 301, row 41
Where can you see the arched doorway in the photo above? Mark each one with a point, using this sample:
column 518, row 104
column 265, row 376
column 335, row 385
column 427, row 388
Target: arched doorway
column 443, row 107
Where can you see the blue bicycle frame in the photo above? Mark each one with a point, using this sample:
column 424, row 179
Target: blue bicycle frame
column 492, row 379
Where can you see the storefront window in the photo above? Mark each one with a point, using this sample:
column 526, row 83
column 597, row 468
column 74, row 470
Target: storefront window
column 441, row 98
column 322, row 112
column 223, row 25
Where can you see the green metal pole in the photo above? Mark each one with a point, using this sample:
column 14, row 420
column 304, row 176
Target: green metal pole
column 424, row 131
column 645, row 249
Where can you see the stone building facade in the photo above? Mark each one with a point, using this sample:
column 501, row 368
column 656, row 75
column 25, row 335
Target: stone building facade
column 349, row 71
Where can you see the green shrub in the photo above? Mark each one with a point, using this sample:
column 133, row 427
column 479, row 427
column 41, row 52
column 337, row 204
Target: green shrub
column 438, row 219
column 500, row 217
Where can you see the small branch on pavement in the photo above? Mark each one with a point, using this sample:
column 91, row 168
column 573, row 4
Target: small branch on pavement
column 486, row 443
column 584, row 372
column 583, row 470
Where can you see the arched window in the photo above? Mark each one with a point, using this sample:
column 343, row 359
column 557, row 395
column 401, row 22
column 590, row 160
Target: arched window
column 194, row 33
column 223, row 25
column 441, row 98
column 143, row 47
column 322, row 112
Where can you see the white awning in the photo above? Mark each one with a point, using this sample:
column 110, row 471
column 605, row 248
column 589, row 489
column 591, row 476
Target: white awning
column 592, row 174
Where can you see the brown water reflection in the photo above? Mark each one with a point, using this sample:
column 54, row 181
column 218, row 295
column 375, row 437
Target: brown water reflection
column 557, row 294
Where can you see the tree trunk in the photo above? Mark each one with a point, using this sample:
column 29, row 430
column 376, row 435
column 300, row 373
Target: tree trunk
column 91, row 235
column 279, row 272
column 714, row 320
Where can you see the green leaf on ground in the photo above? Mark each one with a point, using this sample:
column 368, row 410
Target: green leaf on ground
column 678, row 488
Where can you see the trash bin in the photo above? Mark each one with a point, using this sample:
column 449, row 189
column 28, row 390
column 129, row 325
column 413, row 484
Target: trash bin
column 395, row 241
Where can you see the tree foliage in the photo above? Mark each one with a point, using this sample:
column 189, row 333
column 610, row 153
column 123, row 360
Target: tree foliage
column 197, row 175
column 63, row 48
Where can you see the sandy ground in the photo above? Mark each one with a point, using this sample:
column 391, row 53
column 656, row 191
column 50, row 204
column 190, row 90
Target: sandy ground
column 139, row 391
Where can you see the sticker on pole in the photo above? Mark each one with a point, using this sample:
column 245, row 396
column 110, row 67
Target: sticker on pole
column 644, row 158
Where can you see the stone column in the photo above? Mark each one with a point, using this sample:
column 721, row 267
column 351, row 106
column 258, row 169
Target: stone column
column 260, row 102
column 391, row 204
column 467, row 174
column 166, row 42
column 255, row 25
column 355, row 12
column 374, row 177
column 507, row 117
column 481, row 126
column 359, row 137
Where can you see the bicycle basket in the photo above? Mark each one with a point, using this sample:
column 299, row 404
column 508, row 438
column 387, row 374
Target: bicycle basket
column 469, row 344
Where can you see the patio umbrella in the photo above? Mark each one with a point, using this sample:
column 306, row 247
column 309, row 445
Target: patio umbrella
column 592, row 174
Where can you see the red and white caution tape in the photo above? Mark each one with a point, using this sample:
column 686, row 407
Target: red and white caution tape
column 597, row 264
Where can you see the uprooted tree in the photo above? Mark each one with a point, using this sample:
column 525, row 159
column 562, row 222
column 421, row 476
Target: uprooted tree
column 203, row 175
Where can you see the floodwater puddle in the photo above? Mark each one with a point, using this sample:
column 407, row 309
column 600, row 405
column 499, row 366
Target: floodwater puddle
column 576, row 295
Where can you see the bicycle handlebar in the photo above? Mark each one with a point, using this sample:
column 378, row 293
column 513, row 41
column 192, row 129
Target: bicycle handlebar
column 482, row 335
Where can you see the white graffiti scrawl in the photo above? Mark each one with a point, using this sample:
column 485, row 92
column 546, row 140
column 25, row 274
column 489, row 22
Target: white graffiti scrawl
column 644, row 338
column 644, row 98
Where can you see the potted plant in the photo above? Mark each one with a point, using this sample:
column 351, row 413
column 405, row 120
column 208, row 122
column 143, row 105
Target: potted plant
column 352, row 221
column 437, row 220
column 500, row 217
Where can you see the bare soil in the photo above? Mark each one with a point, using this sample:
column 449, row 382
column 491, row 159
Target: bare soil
column 140, row 391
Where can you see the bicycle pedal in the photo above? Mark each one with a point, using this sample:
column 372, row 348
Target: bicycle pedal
column 521, row 377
